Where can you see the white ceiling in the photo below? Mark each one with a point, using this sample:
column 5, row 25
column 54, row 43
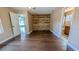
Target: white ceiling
column 42, row 10
column 37, row 10
column 19, row 8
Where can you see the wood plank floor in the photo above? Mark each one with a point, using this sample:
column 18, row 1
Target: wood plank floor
column 36, row 41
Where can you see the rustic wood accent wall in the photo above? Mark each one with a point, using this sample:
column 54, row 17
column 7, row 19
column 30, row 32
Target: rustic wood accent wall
column 41, row 22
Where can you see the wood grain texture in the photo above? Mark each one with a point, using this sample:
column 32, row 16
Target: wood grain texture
column 36, row 41
column 41, row 22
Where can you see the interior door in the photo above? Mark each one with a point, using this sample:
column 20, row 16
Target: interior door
column 15, row 23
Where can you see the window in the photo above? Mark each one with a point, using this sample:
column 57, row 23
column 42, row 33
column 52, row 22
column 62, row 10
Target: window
column 68, row 17
column 21, row 21
column 1, row 27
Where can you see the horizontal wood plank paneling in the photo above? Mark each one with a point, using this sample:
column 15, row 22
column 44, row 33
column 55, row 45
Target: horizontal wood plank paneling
column 41, row 22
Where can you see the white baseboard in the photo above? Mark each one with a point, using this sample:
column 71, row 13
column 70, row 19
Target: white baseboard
column 8, row 39
column 30, row 32
column 55, row 33
column 72, row 46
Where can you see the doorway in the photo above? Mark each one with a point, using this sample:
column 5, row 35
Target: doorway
column 67, row 22
column 22, row 24
column 18, row 24
column 14, row 24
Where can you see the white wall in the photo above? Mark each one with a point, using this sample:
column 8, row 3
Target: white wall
column 56, row 21
column 73, row 39
column 30, row 22
column 27, row 21
column 4, row 15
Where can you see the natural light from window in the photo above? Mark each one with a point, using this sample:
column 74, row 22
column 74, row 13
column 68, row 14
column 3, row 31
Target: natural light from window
column 1, row 27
